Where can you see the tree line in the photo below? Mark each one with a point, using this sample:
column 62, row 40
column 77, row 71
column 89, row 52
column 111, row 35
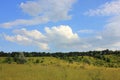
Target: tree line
column 61, row 54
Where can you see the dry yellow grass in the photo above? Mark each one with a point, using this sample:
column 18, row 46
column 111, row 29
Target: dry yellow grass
column 55, row 69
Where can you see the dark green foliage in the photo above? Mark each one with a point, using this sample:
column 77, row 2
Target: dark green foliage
column 70, row 61
column 96, row 54
column 108, row 60
column 30, row 60
column 41, row 61
column 37, row 61
column 9, row 60
column 15, row 57
column 105, row 58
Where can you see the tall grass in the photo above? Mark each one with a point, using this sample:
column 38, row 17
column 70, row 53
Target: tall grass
column 55, row 69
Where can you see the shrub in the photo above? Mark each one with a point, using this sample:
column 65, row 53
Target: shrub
column 108, row 60
column 8, row 60
column 86, row 60
column 37, row 61
column 70, row 61
column 41, row 61
column 20, row 58
column 99, row 63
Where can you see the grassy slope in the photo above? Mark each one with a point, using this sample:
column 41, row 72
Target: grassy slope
column 56, row 69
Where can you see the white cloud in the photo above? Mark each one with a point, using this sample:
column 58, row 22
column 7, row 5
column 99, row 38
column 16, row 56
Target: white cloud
column 98, row 37
column 62, row 38
column 24, row 22
column 112, row 31
column 107, row 9
column 35, row 34
column 112, row 28
column 53, row 9
column 42, row 11
column 55, row 38
column 18, row 39
column 63, row 31
column 30, row 38
column 86, row 31
column 109, row 37
column 100, row 49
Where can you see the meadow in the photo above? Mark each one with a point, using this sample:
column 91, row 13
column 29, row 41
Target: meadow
column 51, row 68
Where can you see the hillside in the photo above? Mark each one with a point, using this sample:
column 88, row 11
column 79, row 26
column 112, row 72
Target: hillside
column 95, row 58
column 51, row 68
column 99, row 67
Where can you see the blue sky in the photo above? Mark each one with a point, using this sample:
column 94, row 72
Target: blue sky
column 59, row 25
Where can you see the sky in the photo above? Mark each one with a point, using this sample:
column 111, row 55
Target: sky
column 59, row 25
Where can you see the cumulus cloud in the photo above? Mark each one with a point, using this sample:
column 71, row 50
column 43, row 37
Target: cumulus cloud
column 55, row 38
column 63, row 31
column 42, row 11
column 18, row 39
column 25, row 37
column 35, row 34
column 62, row 38
column 107, row 9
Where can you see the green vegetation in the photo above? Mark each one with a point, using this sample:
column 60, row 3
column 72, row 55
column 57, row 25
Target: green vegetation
column 92, row 65
column 55, row 69
column 105, row 60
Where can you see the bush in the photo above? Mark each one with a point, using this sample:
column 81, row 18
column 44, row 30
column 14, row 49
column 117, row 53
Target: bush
column 70, row 61
column 37, row 61
column 86, row 60
column 99, row 63
column 8, row 60
column 20, row 58
column 41, row 61
column 108, row 60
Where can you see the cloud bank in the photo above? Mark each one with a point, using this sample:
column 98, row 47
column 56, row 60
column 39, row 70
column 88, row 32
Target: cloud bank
column 58, row 37
column 62, row 38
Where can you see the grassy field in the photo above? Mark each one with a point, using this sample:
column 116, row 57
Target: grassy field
column 56, row 69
